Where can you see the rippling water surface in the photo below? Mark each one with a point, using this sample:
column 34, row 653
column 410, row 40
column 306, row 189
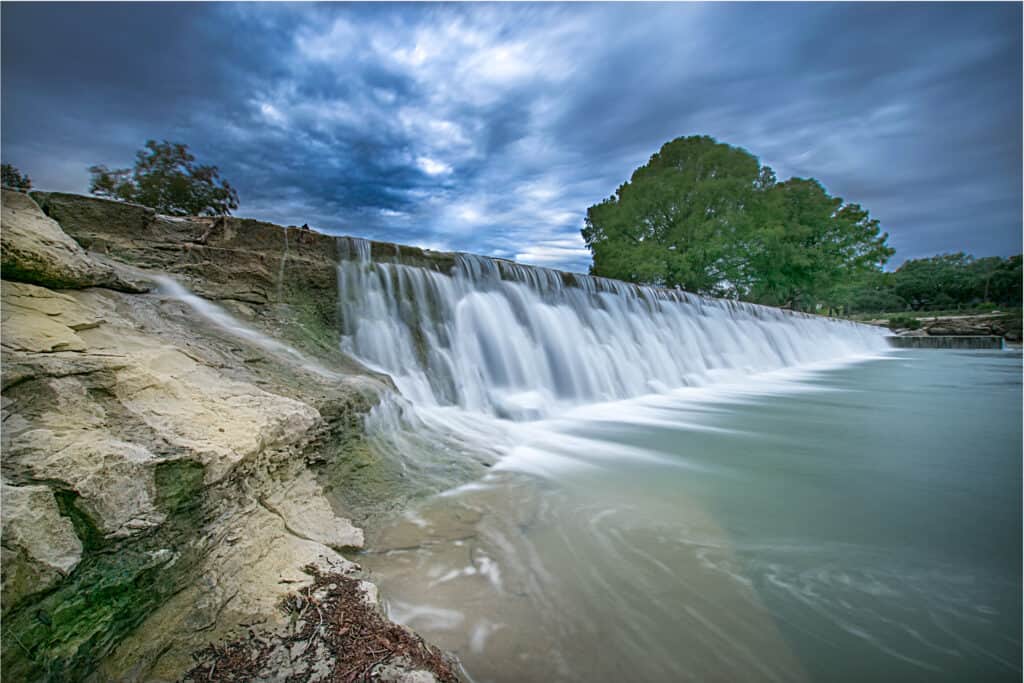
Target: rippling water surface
column 854, row 522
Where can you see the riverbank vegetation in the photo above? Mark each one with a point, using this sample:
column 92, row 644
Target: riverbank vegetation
column 947, row 284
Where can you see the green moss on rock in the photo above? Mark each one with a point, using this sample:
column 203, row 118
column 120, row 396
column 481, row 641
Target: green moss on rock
column 179, row 485
column 64, row 634
column 86, row 530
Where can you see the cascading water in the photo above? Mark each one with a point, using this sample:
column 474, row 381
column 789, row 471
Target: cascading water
column 521, row 342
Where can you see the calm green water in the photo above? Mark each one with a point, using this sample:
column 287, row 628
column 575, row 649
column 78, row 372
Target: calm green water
column 855, row 523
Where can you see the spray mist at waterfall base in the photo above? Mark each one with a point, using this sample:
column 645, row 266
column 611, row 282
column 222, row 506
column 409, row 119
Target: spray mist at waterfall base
column 634, row 484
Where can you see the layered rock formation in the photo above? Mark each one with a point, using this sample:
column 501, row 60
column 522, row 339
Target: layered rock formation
column 163, row 483
column 995, row 324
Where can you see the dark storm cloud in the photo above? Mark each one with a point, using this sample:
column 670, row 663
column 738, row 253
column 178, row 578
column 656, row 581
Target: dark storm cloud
column 491, row 128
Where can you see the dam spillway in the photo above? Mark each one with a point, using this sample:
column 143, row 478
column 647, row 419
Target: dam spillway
column 521, row 342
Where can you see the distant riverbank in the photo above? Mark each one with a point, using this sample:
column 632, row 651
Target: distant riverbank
column 1006, row 324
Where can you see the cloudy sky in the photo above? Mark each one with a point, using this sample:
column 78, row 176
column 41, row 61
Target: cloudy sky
column 491, row 128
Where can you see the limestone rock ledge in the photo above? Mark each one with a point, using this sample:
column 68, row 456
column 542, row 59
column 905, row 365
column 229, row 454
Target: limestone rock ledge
column 159, row 484
column 35, row 249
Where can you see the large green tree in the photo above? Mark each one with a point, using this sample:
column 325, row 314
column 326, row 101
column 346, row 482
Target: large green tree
column 677, row 221
column 708, row 217
column 167, row 178
column 803, row 242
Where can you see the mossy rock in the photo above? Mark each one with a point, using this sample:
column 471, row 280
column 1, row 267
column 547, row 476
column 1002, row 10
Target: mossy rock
column 63, row 634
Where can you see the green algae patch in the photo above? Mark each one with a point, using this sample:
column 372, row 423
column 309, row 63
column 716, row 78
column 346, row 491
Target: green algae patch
column 317, row 322
column 87, row 531
column 179, row 485
column 63, row 634
column 361, row 480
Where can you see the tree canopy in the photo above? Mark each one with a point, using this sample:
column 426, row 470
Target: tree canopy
column 167, row 178
column 13, row 178
column 802, row 242
column 708, row 217
column 676, row 222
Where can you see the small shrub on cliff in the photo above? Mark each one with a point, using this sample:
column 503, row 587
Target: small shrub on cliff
column 13, row 178
column 167, row 179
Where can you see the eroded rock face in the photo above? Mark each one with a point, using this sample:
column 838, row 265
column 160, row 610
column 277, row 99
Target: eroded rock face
column 237, row 261
column 305, row 512
column 39, row 544
column 36, row 250
column 146, row 441
column 140, row 402
column 1006, row 326
column 159, row 486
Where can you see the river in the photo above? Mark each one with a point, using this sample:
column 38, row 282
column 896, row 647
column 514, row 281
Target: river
column 852, row 520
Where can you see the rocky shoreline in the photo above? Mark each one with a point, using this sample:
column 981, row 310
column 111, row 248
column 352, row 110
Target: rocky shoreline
column 995, row 324
column 171, row 485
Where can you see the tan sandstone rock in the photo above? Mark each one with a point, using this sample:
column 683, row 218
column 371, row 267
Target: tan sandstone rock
column 172, row 398
column 244, row 579
column 306, row 513
column 39, row 545
column 36, row 250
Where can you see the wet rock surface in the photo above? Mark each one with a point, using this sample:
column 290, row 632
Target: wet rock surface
column 999, row 325
column 995, row 324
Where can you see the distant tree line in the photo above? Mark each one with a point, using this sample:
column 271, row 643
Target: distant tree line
column 946, row 282
column 165, row 177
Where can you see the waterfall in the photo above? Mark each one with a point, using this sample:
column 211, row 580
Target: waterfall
column 520, row 342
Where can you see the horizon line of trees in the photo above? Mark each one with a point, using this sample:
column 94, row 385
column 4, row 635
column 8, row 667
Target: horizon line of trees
column 942, row 282
column 13, row 178
column 165, row 177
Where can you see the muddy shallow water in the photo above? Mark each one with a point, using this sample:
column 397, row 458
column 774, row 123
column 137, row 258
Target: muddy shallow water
column 858, row 522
